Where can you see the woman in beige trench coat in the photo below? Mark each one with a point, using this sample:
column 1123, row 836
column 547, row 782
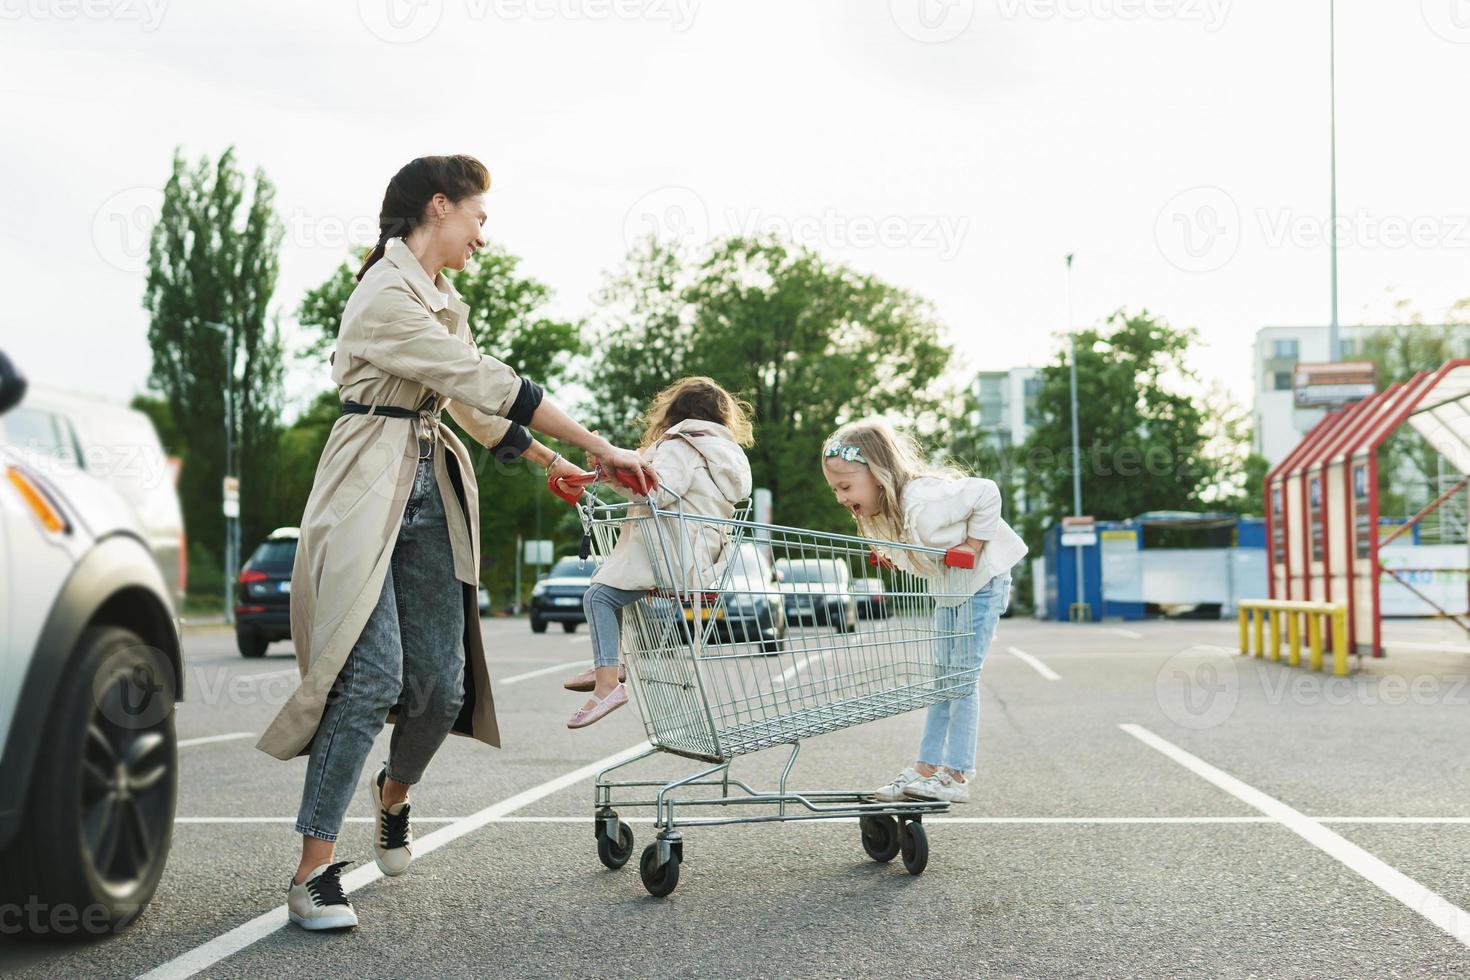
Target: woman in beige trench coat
column 383, row 604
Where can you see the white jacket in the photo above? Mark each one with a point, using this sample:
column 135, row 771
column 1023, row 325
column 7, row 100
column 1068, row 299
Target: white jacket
column 941, row 513
column 702, row 463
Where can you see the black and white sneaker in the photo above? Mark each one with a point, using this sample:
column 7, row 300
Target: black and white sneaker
column 393, row 838
column 318, row 903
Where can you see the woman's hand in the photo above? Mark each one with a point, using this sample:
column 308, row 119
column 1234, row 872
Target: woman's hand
column 564, row 468
column 630, row 463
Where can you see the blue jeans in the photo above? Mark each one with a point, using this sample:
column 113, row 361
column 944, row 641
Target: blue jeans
column 410, row 654
column 604, row 606
column 952, row 728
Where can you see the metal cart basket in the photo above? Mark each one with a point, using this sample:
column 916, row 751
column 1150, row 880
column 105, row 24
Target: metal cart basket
column 758, row 635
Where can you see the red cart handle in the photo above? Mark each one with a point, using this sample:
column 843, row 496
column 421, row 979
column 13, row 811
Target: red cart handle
column 569, row 488
column 959, row 558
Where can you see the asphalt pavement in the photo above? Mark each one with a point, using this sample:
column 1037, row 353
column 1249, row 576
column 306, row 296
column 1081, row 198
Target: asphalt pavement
column 1149, row 803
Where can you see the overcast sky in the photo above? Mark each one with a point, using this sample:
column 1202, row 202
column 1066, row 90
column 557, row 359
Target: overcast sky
column 958, row 149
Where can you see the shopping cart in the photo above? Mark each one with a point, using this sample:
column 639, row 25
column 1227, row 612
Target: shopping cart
column 765, row 647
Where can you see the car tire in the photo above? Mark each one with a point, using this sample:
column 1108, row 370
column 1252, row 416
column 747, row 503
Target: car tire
column 250, row 643
column 95, row 834
column 538, row 625
column 569, row 627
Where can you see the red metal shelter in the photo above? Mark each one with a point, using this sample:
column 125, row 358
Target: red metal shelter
column 1322, row 524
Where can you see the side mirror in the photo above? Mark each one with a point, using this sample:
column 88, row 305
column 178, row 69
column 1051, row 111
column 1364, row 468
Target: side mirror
column 12, row 385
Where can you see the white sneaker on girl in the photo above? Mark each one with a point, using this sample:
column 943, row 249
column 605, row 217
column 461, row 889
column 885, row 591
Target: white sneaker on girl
column 940, row 786
column 894, row 791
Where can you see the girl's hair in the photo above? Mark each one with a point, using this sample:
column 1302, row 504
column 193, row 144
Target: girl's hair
column 894, row 459
column 413, row 187
column 697, row 398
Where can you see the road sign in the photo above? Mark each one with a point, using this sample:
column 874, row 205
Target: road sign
column 232, row 496
column 1079, row 532
column 538, row 552
column 1333, row 385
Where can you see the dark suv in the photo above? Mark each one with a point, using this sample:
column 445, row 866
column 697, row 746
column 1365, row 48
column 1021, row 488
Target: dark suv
column 263, row 601
column 557, row 598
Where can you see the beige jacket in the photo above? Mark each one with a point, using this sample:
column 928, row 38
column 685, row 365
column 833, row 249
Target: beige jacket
column 703, row 464
column 400, row 341
column 940, row 513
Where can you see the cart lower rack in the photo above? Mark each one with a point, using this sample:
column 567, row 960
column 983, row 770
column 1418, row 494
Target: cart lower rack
column 759, row 636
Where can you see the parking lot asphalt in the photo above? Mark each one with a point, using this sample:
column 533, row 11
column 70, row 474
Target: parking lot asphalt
column 1148, row 803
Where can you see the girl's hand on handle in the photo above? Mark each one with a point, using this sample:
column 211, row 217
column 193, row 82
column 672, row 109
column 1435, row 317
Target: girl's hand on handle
column 566, row 479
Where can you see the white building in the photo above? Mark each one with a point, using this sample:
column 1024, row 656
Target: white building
column 1007, row 403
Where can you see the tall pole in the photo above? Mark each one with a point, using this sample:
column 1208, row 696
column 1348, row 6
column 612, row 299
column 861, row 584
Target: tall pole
column 1076, row 440
column 1332, row 341
column 232, row 542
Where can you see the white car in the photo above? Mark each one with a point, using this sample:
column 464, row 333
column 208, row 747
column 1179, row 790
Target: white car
column 89, row 673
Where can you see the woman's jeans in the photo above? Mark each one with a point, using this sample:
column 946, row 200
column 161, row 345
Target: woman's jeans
column 410, row 654
column 952, row 728
column 604, row 606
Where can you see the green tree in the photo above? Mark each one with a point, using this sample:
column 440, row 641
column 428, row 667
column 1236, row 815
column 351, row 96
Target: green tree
column 1142, row 436
column 214, row 256
column 811, row 344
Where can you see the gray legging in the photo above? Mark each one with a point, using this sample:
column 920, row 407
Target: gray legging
column 411, row 653
column 604, row 606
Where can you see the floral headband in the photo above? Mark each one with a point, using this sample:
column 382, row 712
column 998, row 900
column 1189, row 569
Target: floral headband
column 851, row 454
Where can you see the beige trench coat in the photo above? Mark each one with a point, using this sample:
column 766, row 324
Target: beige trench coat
column 402, row 339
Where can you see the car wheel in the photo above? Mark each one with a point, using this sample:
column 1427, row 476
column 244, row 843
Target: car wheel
column 95, row 834
column 569, row 627
column 538, row 625
column 250, row 643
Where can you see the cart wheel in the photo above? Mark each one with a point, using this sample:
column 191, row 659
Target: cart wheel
column 880, row 837
column 615, row 854
column 660, row 880
column 915, row 844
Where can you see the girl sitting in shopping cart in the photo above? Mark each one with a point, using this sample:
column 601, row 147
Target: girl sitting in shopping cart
column 878, row 474
column 693, row 434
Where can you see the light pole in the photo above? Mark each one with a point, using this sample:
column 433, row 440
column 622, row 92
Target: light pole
column 1332, row 330
column 1076, row 441
column 230, row 507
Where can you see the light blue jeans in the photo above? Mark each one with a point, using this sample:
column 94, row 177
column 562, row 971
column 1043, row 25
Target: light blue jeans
column 952, row 728
column 603, row 605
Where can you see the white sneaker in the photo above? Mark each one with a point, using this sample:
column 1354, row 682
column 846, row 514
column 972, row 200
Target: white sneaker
column 894, row 791
column 392, row 837
column 318, row 903
column 940, row 786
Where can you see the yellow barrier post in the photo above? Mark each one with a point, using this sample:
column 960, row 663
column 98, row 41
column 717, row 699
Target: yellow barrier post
column 1258, row 620
column 1314, row 638
column 1293, row 637
column 1271, row 614
column 1245, row 646
column 1339, row 643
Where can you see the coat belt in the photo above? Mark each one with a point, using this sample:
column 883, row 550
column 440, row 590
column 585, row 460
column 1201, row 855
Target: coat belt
column 427, row 418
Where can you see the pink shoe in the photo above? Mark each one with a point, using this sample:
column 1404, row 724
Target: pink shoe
column 587, row 679
column 603, row 707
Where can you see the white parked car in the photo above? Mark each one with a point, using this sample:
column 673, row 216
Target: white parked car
column 89, row 675
column 119, row 446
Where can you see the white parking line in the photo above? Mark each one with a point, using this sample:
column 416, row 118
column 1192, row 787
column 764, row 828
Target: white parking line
column 206, row 739
column 269, row 673
column 1131, row 634
column 1035, row 664
column 205, row 956
column 1412, row 821
column 538, row 673
column 1449, row 917
column 580, row 638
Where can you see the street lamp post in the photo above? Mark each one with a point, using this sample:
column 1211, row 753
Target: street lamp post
column 1076, row 441
column 1332, row 330
column 230, row 507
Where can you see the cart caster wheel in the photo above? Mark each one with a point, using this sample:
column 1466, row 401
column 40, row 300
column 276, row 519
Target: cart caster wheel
column 615, row 854
column 915, row 845
column 660, row 880
column 880, row 837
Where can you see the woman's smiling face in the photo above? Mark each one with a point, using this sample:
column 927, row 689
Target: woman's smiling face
column 461, row 231
column 853, row 484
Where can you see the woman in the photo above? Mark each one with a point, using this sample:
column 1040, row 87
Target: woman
column 383, row 609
